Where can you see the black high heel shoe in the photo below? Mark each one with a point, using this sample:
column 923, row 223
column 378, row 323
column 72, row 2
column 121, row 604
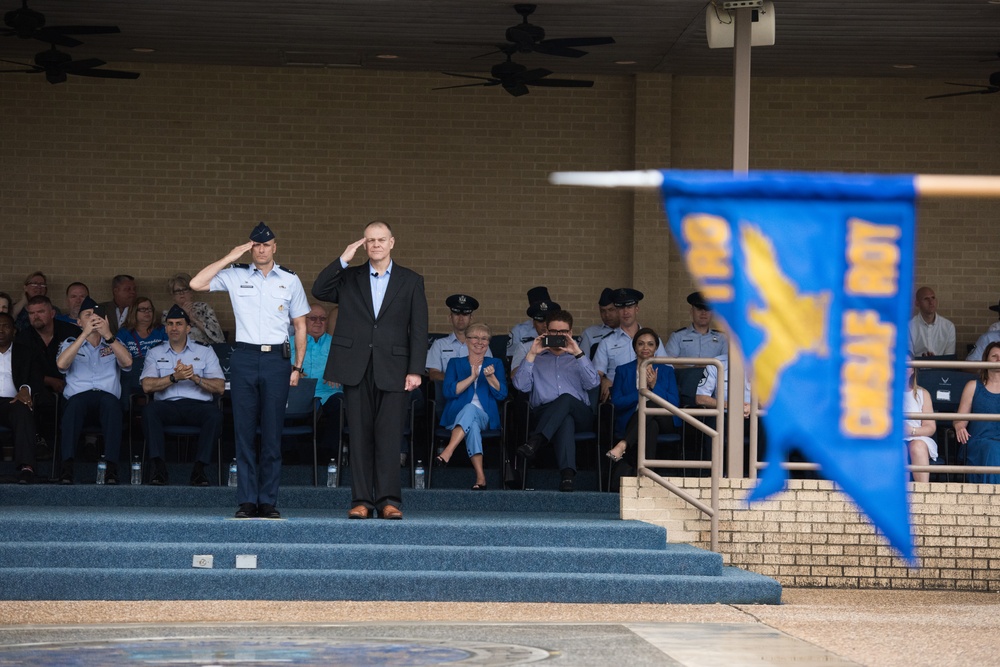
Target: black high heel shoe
column 440, row 462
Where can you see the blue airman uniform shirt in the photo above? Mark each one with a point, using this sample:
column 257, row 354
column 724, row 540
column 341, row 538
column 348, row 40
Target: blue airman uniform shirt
column 687, row 342
column 616, row 349
column 262, row 305
column 162, row 360
column 444, row 350
column 95, row 368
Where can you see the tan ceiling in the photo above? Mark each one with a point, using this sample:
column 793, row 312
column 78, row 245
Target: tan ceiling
column 944, row 39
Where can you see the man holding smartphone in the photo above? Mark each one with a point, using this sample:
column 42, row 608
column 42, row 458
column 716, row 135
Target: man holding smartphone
column 557, row 375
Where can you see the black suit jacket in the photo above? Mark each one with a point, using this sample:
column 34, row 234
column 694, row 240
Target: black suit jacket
column 395, row 341
column 26, row 366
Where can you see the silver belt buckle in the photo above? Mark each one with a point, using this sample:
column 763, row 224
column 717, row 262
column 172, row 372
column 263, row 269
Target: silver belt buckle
column 265, row 348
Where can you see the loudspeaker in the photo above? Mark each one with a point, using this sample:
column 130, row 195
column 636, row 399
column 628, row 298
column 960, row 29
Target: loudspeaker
column 720, row 26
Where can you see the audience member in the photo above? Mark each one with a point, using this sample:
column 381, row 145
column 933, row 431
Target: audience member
column 610, row 320
column 525, row 331
column 976, row 353
column 5, row 302
column 996, row 325
column 183, row 375
column 625, row 397
column 537, row 312
column 697, row 340
column 705, row 395
column 36, row 284
column 473, row 385
column 205, row 327
column 20, row 381
column 318, row 342
column 919, row 433
column 931, row 335
column 443, row 350
column 75, row 294
column 123, row 291
column 265, row 296
column 46, row 334
column 981, row 439
column 616, row 348
column 91, row 362
column 139, row 335
column 557, row 379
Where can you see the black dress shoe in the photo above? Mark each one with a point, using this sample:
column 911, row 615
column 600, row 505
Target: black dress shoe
column 246, row 511
column 26, row 475
column 111, row 476
column 160, row 475
column 531, row 447
column 268, row 512
column 567, row 475
column 66, row 473
column 198, row 476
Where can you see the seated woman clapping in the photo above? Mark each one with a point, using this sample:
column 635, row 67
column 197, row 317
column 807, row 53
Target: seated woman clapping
column 982, row 438
column 625, row 397
column 472, row 386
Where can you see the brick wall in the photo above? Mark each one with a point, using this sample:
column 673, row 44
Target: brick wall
column 811, row 535
column 168, row 172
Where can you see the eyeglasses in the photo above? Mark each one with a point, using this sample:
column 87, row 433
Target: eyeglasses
column 143, row 310
column 41, row 285
column 316, row 319
column 479, row 339
column 182, row 291
column 559, row 332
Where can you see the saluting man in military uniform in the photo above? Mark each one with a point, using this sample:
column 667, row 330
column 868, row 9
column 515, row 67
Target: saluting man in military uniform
column 265, row 296
column 698, row 340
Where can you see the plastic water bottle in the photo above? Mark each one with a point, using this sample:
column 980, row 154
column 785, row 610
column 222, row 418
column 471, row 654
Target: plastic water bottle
column 102, row 469
column 232, row 473
column 136, row 471
column 419, row 480
column 331, row 474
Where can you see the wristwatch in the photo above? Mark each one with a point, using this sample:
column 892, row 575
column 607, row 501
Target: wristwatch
column 109, row 341
column 173, row 380
column 299, row 370
column 578, row 356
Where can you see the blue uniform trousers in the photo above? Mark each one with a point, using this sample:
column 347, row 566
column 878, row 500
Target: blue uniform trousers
column 259, row 388
column 559, row 422
column 182, row 412
column 108, row 409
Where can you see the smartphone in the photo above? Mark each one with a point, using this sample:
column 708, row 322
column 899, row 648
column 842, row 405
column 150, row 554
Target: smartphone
column 553, row 341
column 99, row 311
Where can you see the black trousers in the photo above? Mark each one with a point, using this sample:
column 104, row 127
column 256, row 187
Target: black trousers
column 21, row 420
column 655, row 425
column 182, row 412
column 375, row 419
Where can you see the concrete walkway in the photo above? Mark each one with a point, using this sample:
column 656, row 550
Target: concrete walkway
column 832, row 627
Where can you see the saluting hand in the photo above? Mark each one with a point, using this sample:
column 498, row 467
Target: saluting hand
column 238, row 251
column 349, row 251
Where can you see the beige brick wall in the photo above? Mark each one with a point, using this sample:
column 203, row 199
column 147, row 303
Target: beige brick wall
column 811, row 534
column 168, row 172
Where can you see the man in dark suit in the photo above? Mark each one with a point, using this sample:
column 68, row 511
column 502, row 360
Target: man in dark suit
column 20, row 379
column 378, row 354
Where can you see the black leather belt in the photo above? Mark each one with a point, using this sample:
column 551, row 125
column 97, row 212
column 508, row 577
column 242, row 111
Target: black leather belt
column 260, row 348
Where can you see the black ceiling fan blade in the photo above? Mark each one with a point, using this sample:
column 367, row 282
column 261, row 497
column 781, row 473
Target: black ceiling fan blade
column 467, row 85
column 531, row 75
column 106, row 73
column 82, row 29
column 970, row 85
column 562, row 51
column 562, row 83
column 23, row 71
column 74, row 65
column 572, row 42
column 470, row 76
column 964, row 92
column 516, row 89
column 56, row 39
column 16, row 62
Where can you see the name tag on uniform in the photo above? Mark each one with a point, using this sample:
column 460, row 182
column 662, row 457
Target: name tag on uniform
column 246, row 290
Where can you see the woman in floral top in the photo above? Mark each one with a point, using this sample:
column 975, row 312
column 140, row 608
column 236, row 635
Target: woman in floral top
column 205, row 326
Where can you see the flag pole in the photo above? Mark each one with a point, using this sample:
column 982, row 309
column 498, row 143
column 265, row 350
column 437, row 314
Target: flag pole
column 926, row 185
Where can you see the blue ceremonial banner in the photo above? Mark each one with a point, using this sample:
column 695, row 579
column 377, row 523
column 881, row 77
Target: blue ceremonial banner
column 812, row 273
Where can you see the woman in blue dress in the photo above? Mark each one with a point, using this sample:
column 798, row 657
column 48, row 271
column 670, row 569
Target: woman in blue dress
column 472, row 386
column 139, row 335
column 625, row 398
column 982, row 438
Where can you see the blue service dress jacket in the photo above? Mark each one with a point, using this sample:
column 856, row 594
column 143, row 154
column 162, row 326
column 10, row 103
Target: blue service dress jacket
column 458, row 369
column 625, row 392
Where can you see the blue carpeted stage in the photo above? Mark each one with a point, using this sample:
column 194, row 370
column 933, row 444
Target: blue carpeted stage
column 86, row 542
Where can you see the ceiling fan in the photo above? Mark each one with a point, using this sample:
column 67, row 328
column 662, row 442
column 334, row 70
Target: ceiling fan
column 993, row 87
column 515, row 78
column 29, row 24
column 56, row 65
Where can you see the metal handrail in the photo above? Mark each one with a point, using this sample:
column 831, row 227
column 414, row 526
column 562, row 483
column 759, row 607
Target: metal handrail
column 688, row 416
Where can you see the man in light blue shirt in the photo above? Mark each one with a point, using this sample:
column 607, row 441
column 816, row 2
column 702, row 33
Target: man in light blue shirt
column 265, row 297
column 610, row 320
column 183, row 377
column 616, row 348
column 525, row 331
column 329, row 393
column 558, row 378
